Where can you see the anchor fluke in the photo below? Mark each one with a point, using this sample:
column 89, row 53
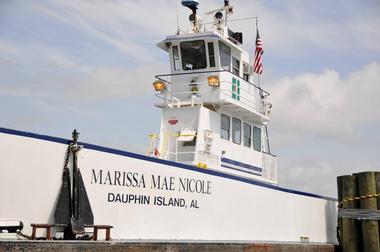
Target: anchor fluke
column 62, row 212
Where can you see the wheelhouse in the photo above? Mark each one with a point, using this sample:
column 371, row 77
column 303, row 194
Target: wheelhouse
column 209, row 52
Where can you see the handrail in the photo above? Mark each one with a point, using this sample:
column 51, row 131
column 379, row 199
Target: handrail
column 256, row 104
column 213, row 71
column 253, row 104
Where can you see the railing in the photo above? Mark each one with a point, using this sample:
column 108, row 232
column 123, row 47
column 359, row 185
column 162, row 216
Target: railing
column 257, row 103
column 162, row 76
column 172, row 153
column 184, row 156
column 250, row 96
column 173, row 99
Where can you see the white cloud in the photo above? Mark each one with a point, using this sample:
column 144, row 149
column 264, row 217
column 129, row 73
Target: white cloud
column 319, row 124
column 326, row 105
column 102, row 83
column 310, row 176
column 318, row 177
column 60, row 60
column 35, row 55
column 123, row 25
column 111, row 82
column 300, row 28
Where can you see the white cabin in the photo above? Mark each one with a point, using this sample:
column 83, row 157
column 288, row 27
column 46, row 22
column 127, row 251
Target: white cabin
column 213, row 115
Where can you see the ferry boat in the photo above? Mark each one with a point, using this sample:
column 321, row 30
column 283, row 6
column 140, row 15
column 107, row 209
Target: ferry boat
column 209, row 174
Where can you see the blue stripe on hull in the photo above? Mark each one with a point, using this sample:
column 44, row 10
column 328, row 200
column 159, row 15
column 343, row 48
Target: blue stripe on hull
column 237, row 163
column 160, row 161
column 232, row 168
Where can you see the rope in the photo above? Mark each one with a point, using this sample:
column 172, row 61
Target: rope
column 369, row 196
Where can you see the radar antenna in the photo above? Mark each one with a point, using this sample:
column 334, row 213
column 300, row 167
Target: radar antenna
column 193, row 6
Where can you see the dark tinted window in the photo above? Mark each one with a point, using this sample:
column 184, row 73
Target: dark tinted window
column 193, row 55
column 256, row 138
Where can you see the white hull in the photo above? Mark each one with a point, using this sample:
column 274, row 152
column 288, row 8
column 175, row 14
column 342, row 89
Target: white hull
column 229, row 208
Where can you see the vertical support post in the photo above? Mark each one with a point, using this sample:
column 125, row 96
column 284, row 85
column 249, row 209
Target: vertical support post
column 176, row 149
column 370, row 228
column 96, row 233
column 48, row 232
column 33, row 232
column 349, row 228
column 108, row 234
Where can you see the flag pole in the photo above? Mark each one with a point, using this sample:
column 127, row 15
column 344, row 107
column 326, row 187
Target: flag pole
column 257, row 30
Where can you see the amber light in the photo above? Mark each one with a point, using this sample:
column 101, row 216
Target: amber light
column 213, row 81
column 159, row 85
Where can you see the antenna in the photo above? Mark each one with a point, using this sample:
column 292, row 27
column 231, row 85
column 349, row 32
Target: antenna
column 176, row 10
column 193, row 6
column 228, row 10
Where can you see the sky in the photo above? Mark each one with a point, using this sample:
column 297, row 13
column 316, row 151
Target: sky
column 90, row 65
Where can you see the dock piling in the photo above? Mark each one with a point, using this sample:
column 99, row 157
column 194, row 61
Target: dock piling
column 359, row 205
column 349, row 228
column 370, row 228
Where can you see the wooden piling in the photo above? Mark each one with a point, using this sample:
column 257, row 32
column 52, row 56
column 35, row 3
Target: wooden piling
column 349, row 228
column 377, row 177
column 370, row 228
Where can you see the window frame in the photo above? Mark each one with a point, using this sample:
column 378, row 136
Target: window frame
column 182, row 50
column 223, row 129
column 175, row 66
column 247, row 137
column 233, row 131
column 246, row 71
column 211, row 54
column 220, row 45
column 257, row 146
column 235, row 69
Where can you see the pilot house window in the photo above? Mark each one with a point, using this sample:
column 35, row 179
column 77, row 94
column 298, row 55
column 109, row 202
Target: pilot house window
column 225, row 127
column 245, row 71
column 193, row 55
column 225, row 56
column 176, row 58
column 211, row 54
column 235, row 66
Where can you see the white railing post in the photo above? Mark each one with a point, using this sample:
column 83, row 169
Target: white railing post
column 178, row 101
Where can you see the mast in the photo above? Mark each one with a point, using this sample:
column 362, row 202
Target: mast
column 193, row 6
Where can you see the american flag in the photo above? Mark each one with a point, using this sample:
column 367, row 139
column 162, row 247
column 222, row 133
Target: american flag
column 258, row 66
